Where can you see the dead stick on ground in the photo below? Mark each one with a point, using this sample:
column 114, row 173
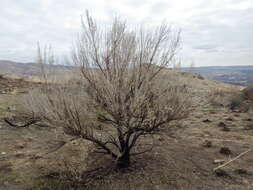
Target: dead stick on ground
column 237, row 157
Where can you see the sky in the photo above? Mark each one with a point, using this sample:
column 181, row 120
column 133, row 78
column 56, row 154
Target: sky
column 214, row 32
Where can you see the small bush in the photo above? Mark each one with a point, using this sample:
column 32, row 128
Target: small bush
column 217, row 97
column 229, row 97
column 246, row 107
column 200, row 77
column 235, row 103
column 238, row 102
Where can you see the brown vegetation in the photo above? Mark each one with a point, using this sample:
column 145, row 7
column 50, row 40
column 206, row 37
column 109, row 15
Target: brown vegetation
column 121, row 95
column 248, row 92
column 182, row 158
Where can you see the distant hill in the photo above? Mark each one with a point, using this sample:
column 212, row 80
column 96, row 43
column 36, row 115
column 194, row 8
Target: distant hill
column 15, row 69
column 237, row 75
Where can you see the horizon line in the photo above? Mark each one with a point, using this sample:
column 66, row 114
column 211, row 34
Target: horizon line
column 188, row 67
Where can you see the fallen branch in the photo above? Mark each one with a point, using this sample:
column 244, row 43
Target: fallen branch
column 21, row 126
column 237, row 157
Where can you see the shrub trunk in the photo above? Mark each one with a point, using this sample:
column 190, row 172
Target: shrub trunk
column 123, row 161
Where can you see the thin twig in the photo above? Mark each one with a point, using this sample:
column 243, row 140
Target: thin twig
column 237, row 157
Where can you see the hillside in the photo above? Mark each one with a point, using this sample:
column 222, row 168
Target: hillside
column 238, row 75
column 15, row 69
column 183, row 158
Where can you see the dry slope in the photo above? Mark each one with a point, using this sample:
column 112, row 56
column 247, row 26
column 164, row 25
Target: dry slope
column 182, row 159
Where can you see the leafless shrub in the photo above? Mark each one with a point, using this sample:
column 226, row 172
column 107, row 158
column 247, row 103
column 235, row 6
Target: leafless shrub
column 229, row 97
column 222, row 96
column 121, row 94
column 217, row 97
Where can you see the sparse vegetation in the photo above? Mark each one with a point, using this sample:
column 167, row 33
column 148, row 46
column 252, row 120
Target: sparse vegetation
column 235, row 102
column 164, row 168
column 217, row 97
column 222, row 96
column 231, row 98
column 239, row 102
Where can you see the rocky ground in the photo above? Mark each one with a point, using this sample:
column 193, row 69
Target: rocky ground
column 183, row 159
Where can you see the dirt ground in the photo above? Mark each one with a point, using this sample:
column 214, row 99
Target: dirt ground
column 183, row 160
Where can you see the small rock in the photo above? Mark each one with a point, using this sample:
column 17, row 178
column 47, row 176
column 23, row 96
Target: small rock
column 225, row 150
column 222, row 124
column 73, row 142
column 6, row 183
column 20, row 155
column 207, row 121
column 218, row 161
column 3, row 153
column 221, row 173
column 207, row 144
column 225, row 128
column 160, row 139
column 2, row 92
column 20, row 146
column 229, row 119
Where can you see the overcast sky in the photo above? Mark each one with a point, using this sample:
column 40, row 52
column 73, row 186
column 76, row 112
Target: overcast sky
column 214, row 32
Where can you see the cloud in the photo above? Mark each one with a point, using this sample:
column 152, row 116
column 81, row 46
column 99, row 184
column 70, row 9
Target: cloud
column 213, row 32
column 205, row 47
